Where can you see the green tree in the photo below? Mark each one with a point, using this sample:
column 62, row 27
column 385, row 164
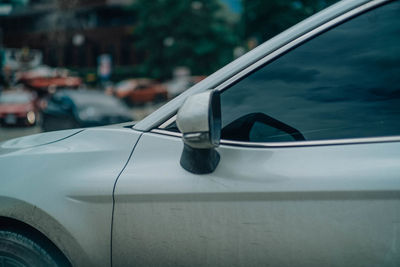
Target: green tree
column 263, row 19
column 171, row 33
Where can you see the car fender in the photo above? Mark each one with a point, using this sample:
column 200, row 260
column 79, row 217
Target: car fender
column 37, row 218
column 69, row 184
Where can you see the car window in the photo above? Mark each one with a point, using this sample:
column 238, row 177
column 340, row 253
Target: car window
column 344, row 83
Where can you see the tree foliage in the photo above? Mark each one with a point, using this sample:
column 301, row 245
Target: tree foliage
column 264, row 19
column 172, row 33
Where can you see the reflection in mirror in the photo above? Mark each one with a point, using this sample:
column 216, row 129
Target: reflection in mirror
column 259, row 127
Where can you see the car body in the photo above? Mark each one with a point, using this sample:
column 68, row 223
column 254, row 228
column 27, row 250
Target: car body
column 140, row 91
column 36, row 72
column 58, row 82
column 18, row 107
column 318, row 192
column 44, row 79
column 68, row 109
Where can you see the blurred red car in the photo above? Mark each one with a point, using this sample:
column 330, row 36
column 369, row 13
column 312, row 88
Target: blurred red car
column 46, row 82
column 44, row 79
column 140, row 91
column 18, row 108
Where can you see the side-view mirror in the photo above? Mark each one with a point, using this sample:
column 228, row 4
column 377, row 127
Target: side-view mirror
column 199, row 120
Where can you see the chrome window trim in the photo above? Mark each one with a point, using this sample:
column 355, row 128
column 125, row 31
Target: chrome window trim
column 167, row 122
column 268, row 58
column 165, row 132
column 331, row 142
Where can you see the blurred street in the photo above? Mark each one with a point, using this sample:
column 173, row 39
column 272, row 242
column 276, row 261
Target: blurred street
column 7, row 133
column 59, row 68
column 10, row 132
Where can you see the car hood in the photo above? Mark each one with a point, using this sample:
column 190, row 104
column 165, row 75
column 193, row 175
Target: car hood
column 37, row 139
column 13, row 108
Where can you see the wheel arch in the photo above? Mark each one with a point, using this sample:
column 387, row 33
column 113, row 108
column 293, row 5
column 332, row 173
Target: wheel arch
column 16, row 226
column 31, row 221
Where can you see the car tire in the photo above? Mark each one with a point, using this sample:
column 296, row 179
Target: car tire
column 19, row 250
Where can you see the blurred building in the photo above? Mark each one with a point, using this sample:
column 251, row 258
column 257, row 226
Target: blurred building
column 72, row 33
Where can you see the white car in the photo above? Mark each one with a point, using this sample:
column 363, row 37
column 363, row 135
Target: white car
column 292, row 159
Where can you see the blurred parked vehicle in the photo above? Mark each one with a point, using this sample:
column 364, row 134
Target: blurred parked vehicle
column 140, row 91
column 44, row 79
column 68, row 109
column 18, row 108
column 58, row 82
column 39, row 71
column 178, row 85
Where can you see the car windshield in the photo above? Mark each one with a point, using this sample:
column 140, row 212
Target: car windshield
column 14, row 98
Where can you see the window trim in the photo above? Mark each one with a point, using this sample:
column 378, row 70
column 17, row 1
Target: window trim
column 330, row 142
column 272, row 56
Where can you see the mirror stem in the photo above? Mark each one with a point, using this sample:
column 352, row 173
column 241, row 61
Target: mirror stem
column 199, row 161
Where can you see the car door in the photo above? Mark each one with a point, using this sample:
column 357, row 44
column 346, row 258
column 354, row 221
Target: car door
column 309, row 173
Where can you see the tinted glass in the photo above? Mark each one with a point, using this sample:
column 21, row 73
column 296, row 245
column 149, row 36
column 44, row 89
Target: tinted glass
column 344, row 83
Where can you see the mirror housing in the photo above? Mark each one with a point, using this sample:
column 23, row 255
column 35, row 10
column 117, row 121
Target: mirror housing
column 199, row 120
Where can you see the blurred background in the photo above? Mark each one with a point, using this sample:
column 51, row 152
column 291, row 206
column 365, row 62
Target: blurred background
column 82, row 63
